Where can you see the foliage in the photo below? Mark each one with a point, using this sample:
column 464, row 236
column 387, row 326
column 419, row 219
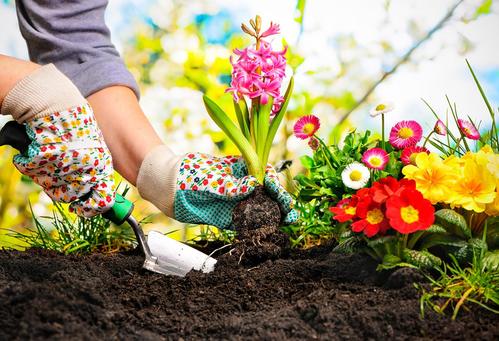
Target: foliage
column 71, row 235
column 476, row 283
column 411, row 208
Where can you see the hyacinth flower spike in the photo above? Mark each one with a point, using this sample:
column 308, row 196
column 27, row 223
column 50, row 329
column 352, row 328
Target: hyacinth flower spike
column 257, row 75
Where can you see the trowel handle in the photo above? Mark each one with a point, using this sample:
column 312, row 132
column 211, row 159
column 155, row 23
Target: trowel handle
column 121, row 212
column 14, row 135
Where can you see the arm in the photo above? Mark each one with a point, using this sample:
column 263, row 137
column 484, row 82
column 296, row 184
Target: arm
column 74, row 37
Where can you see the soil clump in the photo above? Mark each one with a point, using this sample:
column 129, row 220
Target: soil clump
column 257, row 220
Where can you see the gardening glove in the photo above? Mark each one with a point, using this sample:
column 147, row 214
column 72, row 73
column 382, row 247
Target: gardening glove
column 202, row 189
column 67, row 155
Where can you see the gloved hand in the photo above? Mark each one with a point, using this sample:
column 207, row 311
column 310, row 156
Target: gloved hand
column 203, row 189
column 67, row 156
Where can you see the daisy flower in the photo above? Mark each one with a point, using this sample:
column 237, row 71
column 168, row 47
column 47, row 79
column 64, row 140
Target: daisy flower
column 468, row 129
column 355, row 175
column 409, row 154
column 375, row 158
column 381, row 108
column 306, row 126
column 440, row 128
column 405, row 134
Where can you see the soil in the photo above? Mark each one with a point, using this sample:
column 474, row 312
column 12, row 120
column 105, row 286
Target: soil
column 303, row 295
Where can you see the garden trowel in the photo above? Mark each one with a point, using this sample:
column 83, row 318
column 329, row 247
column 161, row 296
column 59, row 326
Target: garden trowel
column 163, row 255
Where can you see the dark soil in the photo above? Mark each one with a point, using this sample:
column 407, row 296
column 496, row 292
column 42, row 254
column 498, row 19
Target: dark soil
column 305, row 295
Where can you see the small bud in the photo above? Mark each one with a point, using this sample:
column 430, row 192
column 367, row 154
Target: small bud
column 258, row 23
column 247, row 30
column 253, row 24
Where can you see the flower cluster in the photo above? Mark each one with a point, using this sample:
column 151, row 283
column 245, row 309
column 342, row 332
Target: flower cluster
column 389, row 203
column 470, row 181
column 259, row 71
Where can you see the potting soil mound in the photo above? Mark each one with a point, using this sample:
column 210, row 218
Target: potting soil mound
column 307, row 295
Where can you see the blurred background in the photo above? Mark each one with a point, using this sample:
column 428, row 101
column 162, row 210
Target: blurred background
column 346, row 56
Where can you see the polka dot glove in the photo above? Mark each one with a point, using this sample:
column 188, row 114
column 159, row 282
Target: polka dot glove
column 208, row 188
column 69, row 160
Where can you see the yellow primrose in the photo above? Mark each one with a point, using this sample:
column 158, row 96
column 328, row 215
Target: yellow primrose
column 492, row 209
column 434, row 179
column 493, row 165
column 475, row 188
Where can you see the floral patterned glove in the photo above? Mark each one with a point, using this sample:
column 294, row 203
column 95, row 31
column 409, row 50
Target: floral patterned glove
column 208, row 189
column 70, row 161
column 67, row 155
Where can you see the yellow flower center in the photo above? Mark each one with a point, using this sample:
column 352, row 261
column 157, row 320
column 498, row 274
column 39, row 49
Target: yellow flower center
column 409, row 214
column 309, row 128
column 355, row 175
column 380, row 107
column 375, row 161
column 375, row 216
column 350, row 210
column 405, row 133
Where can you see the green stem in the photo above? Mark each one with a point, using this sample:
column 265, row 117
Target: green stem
column 325, row 150
column 427, row 138
column 383, row 131
column 453, row 151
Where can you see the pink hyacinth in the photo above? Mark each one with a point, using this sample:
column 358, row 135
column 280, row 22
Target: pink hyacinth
column 375, row 158
column 272, row 30
column 468, row 129
column 440, row 128
column 306, row 126
column 258, row 73
column 408, row 154
column 405, row 134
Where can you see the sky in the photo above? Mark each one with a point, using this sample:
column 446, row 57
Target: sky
column 442, row 70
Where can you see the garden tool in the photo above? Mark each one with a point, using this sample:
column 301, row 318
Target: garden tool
column 163, row 255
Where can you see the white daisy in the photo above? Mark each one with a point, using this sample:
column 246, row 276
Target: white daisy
column 355, row 175
column 381, row 108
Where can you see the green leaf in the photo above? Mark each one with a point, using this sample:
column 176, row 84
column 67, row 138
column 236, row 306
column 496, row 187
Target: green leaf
column 276, row 121
column 300, row 11
column 307, row 161
column 391, row 261
column 453, row 222
column 491, row 260
column 421, row 259
column 242, row 114
column 348, row 245
column 263, row 117
column 484, row 8
column 493, row 233
column 236, row 136
column 441, row 239
column 436, row 229
column 305, row 181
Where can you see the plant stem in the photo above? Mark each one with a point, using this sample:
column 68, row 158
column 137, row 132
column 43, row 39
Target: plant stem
column 383, row 131
column 427, row 138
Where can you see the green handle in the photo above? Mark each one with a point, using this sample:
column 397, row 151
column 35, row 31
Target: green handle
column 120, row 211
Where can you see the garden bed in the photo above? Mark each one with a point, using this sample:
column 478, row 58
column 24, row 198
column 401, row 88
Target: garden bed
column 310, row 294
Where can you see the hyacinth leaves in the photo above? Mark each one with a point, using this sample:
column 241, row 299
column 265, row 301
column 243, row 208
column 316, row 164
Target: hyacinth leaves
column 256, row 131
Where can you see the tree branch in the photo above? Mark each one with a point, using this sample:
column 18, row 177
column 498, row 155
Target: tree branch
column 402, row 60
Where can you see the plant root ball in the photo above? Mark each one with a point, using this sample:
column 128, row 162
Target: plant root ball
column 257, row 220
column 257, row 211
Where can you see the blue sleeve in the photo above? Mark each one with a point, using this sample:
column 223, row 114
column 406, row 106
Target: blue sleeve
column 73, row 36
